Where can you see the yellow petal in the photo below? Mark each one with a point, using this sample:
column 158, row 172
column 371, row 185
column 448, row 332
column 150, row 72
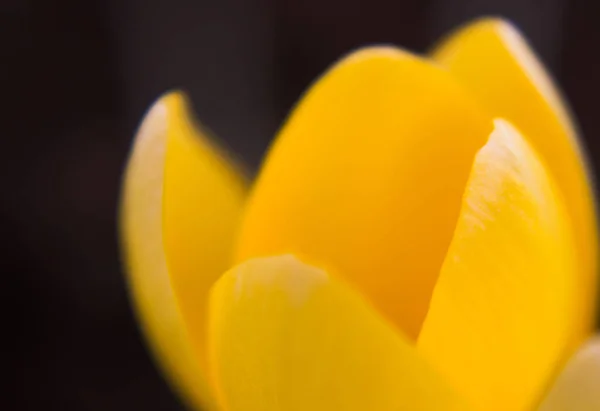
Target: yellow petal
column 578, row 386
column 142, row 236
column 203, row 201
column 366, row 178
column 143, row 229
column 284, row 336
column 502, row 312
column 496, row 64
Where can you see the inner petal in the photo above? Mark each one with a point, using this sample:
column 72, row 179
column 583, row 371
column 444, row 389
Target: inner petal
column 366, row 178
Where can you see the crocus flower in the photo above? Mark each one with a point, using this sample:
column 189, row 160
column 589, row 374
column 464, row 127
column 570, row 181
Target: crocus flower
column 420, row 236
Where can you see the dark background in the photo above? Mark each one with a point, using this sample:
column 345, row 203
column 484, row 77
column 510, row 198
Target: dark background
column 77, row 76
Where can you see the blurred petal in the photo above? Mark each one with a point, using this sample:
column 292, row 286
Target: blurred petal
column 496, row 64
column 284, row 336
column 366, row 178
column 502, row 312
column 203, row 201
column 142, row 236
column 578, row 386
column 143, row 232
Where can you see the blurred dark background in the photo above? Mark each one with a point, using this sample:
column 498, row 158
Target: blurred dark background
column 76, row 78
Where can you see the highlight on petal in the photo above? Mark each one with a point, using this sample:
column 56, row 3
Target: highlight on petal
column 366, row 177
column 577, row 387
column 285, row 336
column 502, row 313
column 161, row 140
column 494, row 62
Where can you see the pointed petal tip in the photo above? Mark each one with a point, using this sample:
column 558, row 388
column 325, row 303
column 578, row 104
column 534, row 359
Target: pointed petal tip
column 177, row 101
column 180, row 113
column 169, row 99
column 154, row 123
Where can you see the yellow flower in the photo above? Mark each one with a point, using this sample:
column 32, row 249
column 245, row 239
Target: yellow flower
column 421, row 236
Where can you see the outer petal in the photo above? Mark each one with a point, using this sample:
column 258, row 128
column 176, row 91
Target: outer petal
column 495, row 63
column 203, row 202
column 284, row 336
column 366, row 178
column 143, row 227
column 578, row 386
column 502, row 312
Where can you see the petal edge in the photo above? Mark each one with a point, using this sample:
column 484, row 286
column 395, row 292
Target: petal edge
column 501, row 315
column 285, row 336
